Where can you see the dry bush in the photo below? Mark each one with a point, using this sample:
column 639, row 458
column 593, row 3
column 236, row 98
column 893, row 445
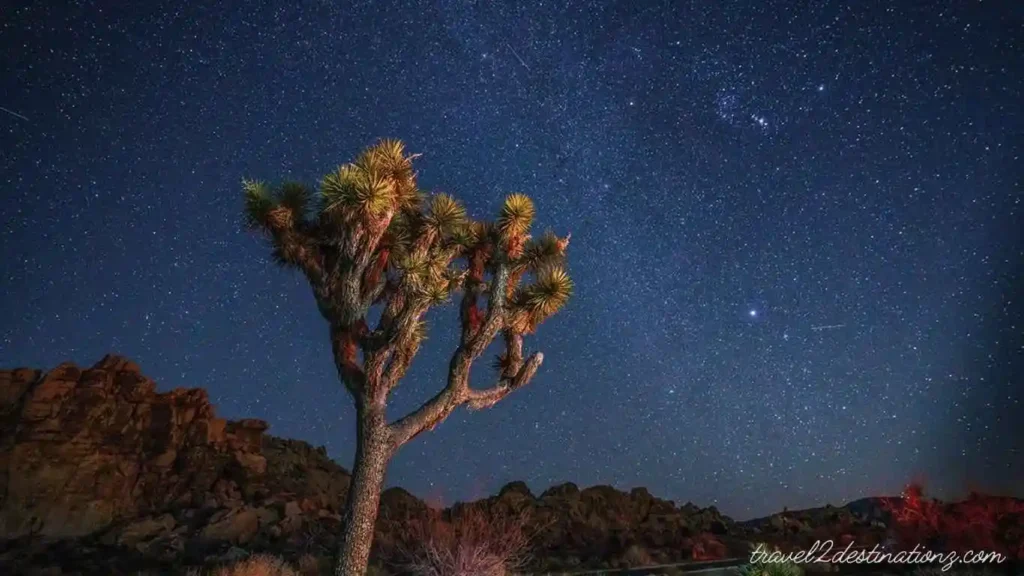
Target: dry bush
column 470, row 543
column 637, row 557
column 980, row 523
column 707, row 547
column 258, row 565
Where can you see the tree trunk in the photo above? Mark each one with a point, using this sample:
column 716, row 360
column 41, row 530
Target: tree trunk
column 372, row 454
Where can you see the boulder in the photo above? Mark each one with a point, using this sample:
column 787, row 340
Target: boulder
column 92, row 447
column 236, row 526
column 144, row 529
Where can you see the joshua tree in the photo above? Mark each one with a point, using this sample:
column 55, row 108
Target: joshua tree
column 370, row 242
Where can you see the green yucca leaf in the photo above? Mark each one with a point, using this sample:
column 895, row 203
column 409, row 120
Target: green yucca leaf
column 370, row 160
column 415, row 271
column 543, row 252
column 411, row 221
column 258, row 203
column 360, row 186
column 294, row 196
column 516, row 215
column 547, row 294
column 461, row 238
column 392, row 159
column 390, row 153
column 482, row 232
column 391, row 147
column 419, row 331
column 398, row 232
column 398, row 237
column 409, row 197
column 399, row 251
column 437, row 261
column 339, row 187
column 446, row 215
column 378, row 194
column 437, row 293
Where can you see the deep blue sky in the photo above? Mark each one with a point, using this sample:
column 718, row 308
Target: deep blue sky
column 796, row 225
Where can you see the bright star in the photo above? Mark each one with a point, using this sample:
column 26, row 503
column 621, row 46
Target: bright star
column 753, row 313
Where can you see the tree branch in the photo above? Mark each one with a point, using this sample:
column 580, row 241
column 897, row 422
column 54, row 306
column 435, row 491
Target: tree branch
column 469, row 310
column 512, row 359
column 495, row 318
column 401, row 358
column 373, row 233
column 374, row 278
column 480, row 399
column 457, row 390
column 345, row 345
column 385, row 342
column 295, row 246
column 435, row 410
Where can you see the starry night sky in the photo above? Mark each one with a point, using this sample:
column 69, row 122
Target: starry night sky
column 796, row 226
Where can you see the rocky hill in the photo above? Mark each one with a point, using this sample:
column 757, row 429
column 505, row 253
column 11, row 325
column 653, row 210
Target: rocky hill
column 101, row 474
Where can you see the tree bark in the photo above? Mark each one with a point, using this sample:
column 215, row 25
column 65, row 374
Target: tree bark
column 373, row 450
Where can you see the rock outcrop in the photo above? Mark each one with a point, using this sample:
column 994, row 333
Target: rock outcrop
column 102, row 474
column 594, row 527
column 82, row 449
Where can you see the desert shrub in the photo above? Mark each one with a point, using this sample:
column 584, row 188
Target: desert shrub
column 468, row 543
column 636, row 557
column 258, row 565
column 979, row 523
column 706, row 547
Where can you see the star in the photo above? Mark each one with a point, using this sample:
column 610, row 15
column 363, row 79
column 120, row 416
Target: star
column 697, row 161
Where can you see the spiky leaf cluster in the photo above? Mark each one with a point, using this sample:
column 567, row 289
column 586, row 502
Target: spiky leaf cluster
column 516, row 215
column 548, row 251
column 259, row 201
column 445, row 217
column 537, row 301
column 296, row 198
column 370, row 236
column 380, row 181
